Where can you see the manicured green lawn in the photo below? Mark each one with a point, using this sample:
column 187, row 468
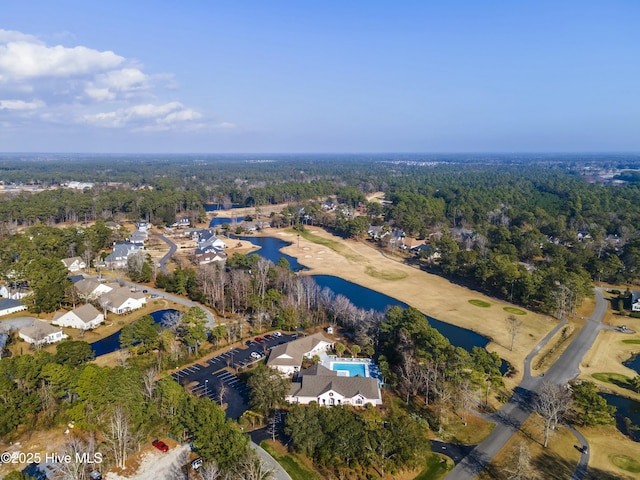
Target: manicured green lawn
column 626, row 463
column 372, row 272
column 515, row 311
column 292, row 464
column 437, row 467
column 479, row 303
column 614, row 378
column 632, row 342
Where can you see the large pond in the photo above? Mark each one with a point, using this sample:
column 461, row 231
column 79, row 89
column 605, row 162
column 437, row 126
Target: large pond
column 363, row 297
column 366, row 298
column 626, row 408
column 112, row 342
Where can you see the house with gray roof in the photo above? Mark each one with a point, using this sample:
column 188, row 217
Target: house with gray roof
column 90, row 288
column 121, row 251
column 74, row 264
column 9, row 306
column 327, row 388
column 287, row 358
column 122, row 300
column 39, row 332
column 86, row 317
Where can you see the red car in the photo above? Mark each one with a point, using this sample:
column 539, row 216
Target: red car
column 259, row 339
column 160, row 445
column 268, row 337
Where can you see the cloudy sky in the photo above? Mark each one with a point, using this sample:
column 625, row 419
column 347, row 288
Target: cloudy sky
column 308, row 76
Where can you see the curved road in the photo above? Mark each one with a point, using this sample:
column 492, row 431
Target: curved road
column 516, row 411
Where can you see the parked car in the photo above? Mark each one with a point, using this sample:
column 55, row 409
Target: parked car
column 268, row 337
column 145, row 291
column 259, row 339
column 160, row 445
column 277, row 334
column 197, row 463
column 256, row 355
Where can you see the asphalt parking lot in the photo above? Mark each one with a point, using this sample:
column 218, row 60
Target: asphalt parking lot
column 212, row 379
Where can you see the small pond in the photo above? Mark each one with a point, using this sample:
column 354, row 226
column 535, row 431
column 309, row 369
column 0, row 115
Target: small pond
column 217, row 221
column 270, row 249
column 626, row 408
column 112, row 342
column 633, row 363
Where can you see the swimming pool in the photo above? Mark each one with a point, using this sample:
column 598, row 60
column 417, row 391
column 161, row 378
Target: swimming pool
column 351, row 369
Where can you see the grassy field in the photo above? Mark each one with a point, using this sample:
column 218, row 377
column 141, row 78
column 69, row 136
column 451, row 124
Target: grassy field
column 627, row 463
column 337, row 247
column 390, row 275
column 632, row 342
column 437, row 467
column 479, row 303
column 514, row 310
column 291, row 462
column 615, row 378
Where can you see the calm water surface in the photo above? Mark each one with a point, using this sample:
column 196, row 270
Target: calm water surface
column 633, row 363
column 112, row 342
column 626, row 408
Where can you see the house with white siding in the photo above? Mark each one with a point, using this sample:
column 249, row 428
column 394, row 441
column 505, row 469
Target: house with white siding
column 74, row 264
column 287, row 358
column 9, row 306
column 39, row 332
column 86, row 317
column 122, row 300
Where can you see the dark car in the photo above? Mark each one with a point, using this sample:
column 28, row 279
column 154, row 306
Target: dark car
column 145, row 291
column 259, row 339
column 160, row 445
column 268, row 337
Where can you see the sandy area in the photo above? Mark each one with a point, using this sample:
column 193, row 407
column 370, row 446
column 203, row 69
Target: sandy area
column 155, row 465
column 435, row 296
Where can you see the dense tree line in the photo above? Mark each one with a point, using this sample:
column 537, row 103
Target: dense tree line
column 116, row 409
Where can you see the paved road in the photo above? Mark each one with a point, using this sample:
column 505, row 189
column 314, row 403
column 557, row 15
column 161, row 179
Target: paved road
column 162, row 264
column 515, row 412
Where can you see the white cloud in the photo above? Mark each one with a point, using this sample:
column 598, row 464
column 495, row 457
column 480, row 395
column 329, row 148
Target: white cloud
column 145, row 117
column 82, row 85
column 20, row 105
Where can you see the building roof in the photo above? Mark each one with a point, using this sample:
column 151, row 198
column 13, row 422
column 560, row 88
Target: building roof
column 39, row 330
column 87, row 286
column 70, row 261
column 291, row 353
column 314, row 384
column 7, row 303
column 86, row 313
column 118, row 296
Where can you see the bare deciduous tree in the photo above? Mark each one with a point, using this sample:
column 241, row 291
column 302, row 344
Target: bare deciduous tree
column 118, row 436
column 513, row 325
column 551, row 404
column 149, row 382
column 519, row 464
column 210, row 471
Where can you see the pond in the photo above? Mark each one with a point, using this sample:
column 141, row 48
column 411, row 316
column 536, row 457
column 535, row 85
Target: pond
column 217, row 221
column 626, row 408
column 270, row 249
column 112, row 342
column 366, row 298
column 214, row 207
column 633, row 363
column 363, row 297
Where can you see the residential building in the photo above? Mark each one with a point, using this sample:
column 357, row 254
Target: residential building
column 121, row 251
column 9, row 306
column 122, row 300
column 288, row 358
column 86, row 317
column 90, row 288
column 327, row 388
column 39, row 332
column 74, row 264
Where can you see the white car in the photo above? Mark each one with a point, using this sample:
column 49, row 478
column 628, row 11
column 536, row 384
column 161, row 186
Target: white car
column 276, row 334
column 256, row 355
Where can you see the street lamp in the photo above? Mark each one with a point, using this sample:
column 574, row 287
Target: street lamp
column 206, row 388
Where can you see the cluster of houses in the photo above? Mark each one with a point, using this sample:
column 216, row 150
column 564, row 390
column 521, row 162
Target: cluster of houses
column 110, row 297
column 319, row 383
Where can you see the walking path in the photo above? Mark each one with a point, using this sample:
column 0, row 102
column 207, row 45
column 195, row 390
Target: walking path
column 515, row 412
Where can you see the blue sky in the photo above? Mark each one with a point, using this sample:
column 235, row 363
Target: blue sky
column 308, row 76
